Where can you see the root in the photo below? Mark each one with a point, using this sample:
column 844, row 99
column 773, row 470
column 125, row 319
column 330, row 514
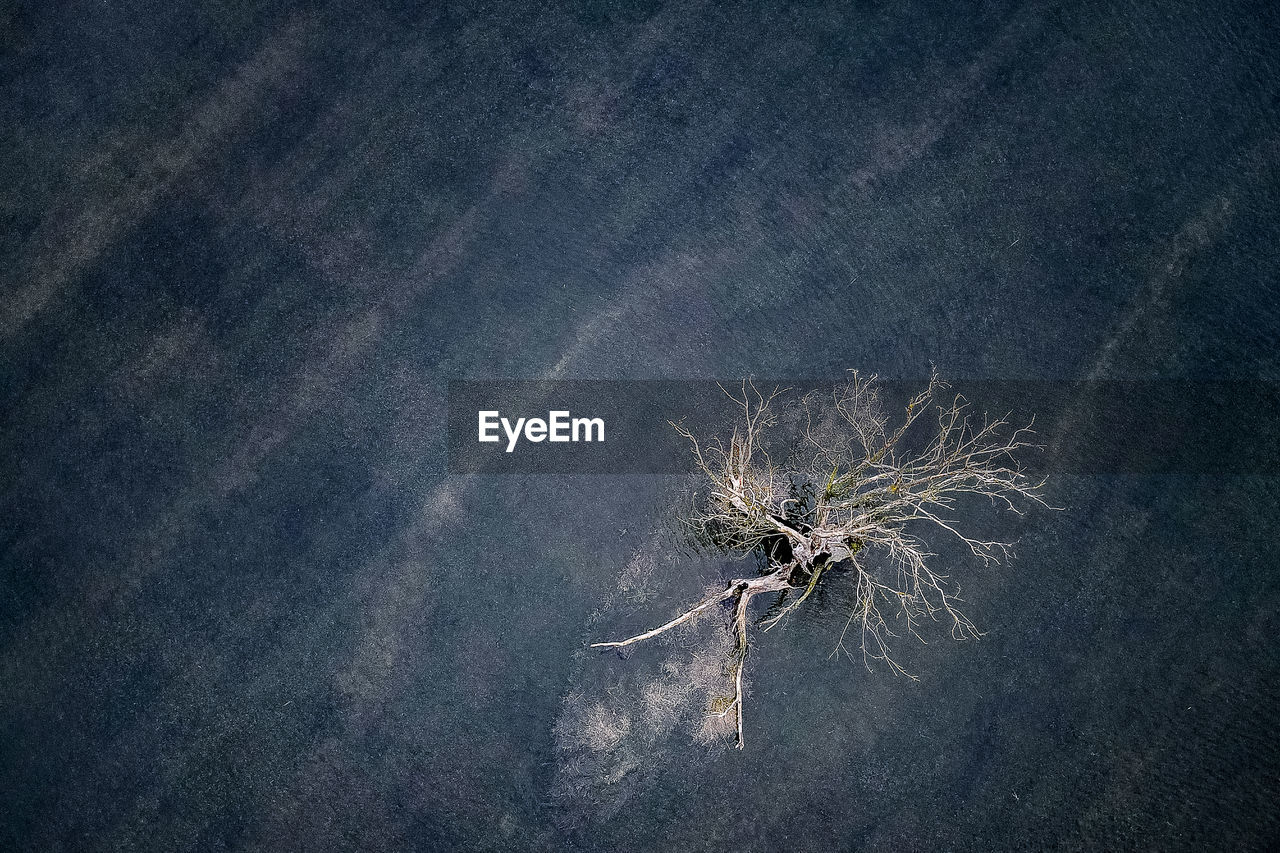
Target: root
column 743, row 589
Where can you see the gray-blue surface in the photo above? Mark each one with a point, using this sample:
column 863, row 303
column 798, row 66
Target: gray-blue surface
column 243, row 605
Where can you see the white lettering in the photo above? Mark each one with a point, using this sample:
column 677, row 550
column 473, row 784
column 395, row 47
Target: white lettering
column 513, row 435
column 587, row 425
column 488, row 421
column 559, row 426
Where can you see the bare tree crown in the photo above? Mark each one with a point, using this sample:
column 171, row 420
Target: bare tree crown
column 851, row 486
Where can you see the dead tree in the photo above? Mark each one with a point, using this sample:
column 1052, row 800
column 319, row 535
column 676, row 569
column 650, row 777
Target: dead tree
column 851, row 488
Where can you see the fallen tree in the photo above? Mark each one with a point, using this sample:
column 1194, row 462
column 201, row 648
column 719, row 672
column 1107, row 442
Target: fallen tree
column 852, row 487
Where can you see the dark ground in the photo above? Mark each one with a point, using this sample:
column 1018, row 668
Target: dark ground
column 244, row 249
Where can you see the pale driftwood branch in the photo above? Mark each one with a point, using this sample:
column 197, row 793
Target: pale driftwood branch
column 689, row 615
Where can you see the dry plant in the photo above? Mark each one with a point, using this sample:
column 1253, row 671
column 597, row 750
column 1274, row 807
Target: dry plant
column 852, row 487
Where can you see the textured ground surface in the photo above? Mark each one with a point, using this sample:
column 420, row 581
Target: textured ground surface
column 242, row 604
